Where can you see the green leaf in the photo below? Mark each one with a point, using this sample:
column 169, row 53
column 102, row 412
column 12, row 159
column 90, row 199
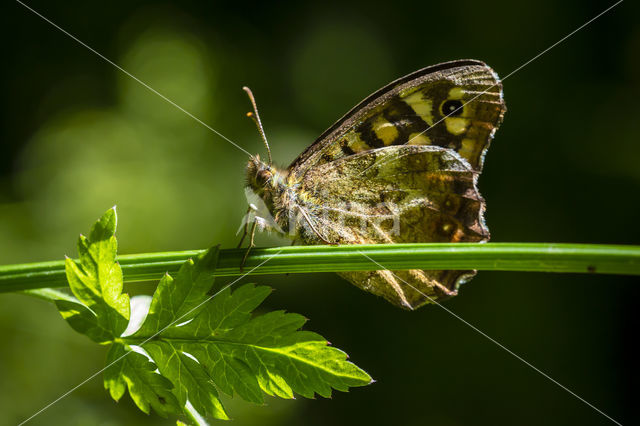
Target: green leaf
column 247, row 356
column 96, row 280
column 128, row 369
column 191, row 380
column 79, row 317
column 194, row 345
column 82, row 320
column 281, row 358
column 224, row 312
column 178, row 299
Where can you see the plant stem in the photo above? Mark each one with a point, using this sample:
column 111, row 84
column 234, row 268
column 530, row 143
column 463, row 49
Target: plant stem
column 540, row 257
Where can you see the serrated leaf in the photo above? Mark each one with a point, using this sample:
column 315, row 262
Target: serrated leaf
column 96, row 281
column 223, row 312
column 231, row 374
column 247, row 356
column 127, row 369
column 178, row 299
column 192, row 349
column 82, row 320
column 191, row 380
column 281, row 358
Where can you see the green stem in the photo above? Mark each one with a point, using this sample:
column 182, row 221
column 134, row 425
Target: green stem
column 540, row 257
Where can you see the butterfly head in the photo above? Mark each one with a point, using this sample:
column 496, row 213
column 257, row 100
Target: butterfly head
column 259, row 175
column 261, row 181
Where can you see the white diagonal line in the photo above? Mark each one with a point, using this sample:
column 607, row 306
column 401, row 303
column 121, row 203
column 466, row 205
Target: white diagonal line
column 151, row 89
column 237, row 146
column 176, row 321
column 519, row 68
column 453, row 313
column 562, row 39
column 495, row 85
column 500, row 345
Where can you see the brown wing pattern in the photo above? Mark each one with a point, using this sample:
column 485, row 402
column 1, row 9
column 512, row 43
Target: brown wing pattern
column 397, row 194
column 413, row 110
column 402, row 167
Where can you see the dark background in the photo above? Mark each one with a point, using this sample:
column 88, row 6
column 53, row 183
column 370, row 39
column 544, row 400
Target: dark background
column 79, row 136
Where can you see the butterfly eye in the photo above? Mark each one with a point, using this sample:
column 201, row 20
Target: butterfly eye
column 452, row 108
column 263, row 176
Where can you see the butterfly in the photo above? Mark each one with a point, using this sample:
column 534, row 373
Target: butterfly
column 400, row 167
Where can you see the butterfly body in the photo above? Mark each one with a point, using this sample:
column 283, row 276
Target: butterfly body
column 400, row 167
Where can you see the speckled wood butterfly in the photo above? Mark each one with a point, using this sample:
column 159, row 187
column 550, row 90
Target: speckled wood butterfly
column 400, row 167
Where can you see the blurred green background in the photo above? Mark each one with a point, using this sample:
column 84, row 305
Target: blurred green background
column 78, row 136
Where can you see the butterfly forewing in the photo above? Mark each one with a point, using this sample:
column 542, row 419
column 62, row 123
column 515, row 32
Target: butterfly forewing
column 456, row 105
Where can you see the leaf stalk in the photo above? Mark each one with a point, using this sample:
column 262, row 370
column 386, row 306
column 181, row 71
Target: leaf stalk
column 532, row 257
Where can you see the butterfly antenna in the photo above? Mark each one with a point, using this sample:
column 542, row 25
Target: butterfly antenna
column 256, row 119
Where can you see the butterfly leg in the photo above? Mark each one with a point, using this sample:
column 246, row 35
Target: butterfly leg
column 251, row 245
column 245, row 231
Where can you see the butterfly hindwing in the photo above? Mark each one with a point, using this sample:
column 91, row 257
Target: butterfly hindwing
column 396, row 194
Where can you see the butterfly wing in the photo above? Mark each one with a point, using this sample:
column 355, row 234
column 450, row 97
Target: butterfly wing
column 396, row 194
column 413, row 110
column 401, row 167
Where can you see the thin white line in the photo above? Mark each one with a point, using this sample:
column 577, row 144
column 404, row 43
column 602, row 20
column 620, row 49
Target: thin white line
column 136, row 79
column 453, row 313
column 497, row 343
column 519, row 68
column 562, row 39
column 487, row 91
column 237, row 146
column 145, row 341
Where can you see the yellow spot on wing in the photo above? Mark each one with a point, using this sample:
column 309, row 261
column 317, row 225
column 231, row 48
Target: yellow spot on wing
column 355, row 143
column 385, row 130
column 468, row 148
column 456, row 93
column 422, row 107
column 419, row 139
column 456, row 125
